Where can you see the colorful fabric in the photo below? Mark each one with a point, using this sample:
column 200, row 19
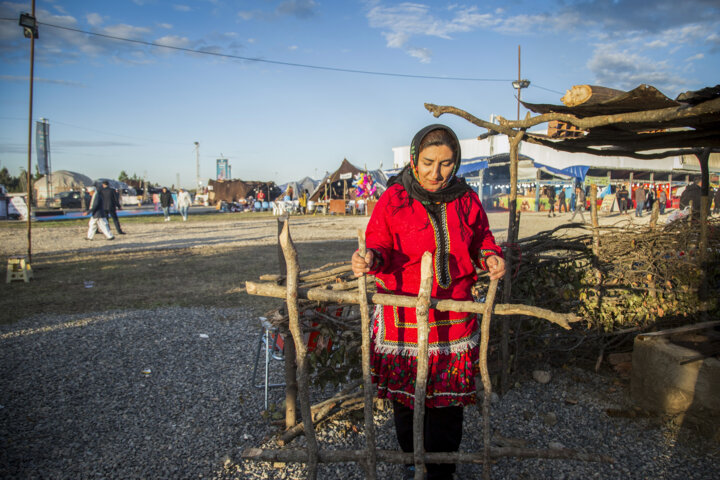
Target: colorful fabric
column 451, row 377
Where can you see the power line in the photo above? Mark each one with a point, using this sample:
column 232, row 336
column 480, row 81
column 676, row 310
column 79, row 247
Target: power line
column 273, row 62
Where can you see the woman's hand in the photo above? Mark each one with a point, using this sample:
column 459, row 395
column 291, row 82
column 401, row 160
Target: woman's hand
column 496, row 267
column 361, row 265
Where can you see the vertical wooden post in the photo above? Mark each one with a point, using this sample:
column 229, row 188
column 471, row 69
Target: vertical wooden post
column 422, row 312
column 300, row 347
column 289, row 351
column 595, row 222
column 507, row 281
column 485, row 375
column 371, row 471
column 703, row 158
column 291, row 386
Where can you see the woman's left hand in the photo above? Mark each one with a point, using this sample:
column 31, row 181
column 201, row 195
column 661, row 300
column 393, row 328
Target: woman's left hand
column 496, row 267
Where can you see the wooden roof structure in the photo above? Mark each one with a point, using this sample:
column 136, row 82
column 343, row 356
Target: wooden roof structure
column 642, row 123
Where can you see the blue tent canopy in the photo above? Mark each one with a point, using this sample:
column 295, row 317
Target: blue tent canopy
column 576, row 171
column 472, row 165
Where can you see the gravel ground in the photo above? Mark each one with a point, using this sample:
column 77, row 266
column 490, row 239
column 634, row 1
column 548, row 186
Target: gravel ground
column 167, row 393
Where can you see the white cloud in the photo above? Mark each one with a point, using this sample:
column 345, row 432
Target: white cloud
column 173, row 41
column 625, row 70
column 697, row 56
column 182, row 8
column 166, row 26
column 407, row 20
column 94, row 19
column 657, row 43
column 422, row 54
column 293, row 47
column 126, row 31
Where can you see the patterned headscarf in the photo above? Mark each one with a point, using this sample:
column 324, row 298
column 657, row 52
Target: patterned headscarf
column 408, row 177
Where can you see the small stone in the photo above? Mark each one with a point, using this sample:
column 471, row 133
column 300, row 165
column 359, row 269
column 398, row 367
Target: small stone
column 541, row 376
column 556, row 446
column 550, row 419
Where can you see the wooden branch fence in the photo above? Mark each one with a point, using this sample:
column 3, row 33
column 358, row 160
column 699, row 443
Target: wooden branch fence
column 312, row 455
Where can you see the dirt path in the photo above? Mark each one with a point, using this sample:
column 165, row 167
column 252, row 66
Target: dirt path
column 215, row 231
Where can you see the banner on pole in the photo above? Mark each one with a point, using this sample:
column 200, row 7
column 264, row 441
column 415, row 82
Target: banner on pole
column 42, row 143
column 223, row 169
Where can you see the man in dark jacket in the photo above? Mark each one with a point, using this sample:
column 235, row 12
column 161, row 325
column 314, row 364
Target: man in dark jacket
column 98, row 219
column 623, row 198
column 165, row 201
column 692, row 194
column 562, row 204
column 111, row 204
column 551, row 200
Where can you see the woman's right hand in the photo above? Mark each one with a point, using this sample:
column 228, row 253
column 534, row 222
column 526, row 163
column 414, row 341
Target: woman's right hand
column 361, row 265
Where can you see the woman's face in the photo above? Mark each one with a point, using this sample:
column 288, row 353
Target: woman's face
column 435, row 165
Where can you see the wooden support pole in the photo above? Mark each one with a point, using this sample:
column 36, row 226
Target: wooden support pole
column 323, row 295
column 422, row 313
column 507, row 281
column 485, row 375
column 703, row 159
column 291, row 386
column 595, row 222
column 301, row 357
column 371, row 470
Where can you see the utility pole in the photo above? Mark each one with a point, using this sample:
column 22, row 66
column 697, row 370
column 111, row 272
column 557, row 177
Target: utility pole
column 30, row 30
column 197, row 168
column 520, row 87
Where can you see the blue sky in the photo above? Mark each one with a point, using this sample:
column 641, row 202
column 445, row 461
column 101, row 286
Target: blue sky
column 118, row 105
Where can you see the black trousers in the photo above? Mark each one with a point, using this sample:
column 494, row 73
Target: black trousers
column 442, row 433
column 114, row 216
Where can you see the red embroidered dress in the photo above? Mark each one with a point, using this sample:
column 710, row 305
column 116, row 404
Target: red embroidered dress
column 400, row 230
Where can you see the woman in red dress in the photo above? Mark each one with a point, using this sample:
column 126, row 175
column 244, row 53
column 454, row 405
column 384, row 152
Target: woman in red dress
column 427, row 208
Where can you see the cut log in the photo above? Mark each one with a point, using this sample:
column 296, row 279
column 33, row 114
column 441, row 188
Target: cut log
column 588, row 94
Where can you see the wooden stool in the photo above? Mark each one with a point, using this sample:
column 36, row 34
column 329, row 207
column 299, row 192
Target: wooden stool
column 18, row 269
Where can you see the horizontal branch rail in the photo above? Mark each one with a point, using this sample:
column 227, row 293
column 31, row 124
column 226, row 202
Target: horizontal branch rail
column 322, row 295
column 393, row 456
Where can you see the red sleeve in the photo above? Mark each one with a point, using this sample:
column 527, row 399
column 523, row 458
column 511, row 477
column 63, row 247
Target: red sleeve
column 378, row 235
column 483, row 244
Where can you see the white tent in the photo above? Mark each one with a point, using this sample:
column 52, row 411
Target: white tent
column 60, row 181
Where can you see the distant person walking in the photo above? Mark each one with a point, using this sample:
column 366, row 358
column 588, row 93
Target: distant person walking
column 662, row 199
column 98, row 219
column 579, row 204
column 303, row 202
column 551, row 200
column 623, row 198
column 716, row 206
column 650, row 199
column 562, row 204
column 184, row 202
column 111, row 204
column 639, row 201
column 165, row 201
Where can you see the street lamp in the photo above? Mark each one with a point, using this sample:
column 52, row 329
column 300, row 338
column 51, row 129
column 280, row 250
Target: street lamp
column 519, row 85
column 29, row 24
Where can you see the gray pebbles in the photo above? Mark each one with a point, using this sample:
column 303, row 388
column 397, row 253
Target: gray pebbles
column 167, row 393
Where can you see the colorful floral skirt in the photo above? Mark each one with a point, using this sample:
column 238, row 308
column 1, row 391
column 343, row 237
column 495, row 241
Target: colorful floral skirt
column 451, row 377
